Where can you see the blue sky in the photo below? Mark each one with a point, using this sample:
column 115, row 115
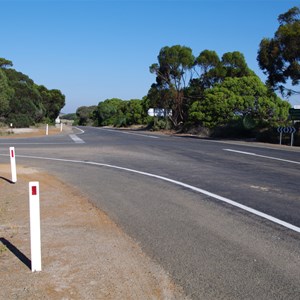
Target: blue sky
column 95, row 50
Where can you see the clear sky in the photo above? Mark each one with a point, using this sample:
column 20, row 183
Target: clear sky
column 95, row 50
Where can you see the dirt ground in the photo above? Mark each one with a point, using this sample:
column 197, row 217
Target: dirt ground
column 84, row 254
column 32, row 131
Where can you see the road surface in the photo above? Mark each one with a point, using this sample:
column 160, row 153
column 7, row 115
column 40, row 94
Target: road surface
column 223, row 218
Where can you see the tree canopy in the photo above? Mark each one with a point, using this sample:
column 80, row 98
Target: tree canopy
column 172, row 77
column 239, row 98
column 24, row 103
column 279, row 57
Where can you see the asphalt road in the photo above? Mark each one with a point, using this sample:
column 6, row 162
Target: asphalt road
column 157, row 188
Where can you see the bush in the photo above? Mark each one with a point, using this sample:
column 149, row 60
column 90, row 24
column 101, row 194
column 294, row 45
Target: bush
column 20, row 121
column 161, row 123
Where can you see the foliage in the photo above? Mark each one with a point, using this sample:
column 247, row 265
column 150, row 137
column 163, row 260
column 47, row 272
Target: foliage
column 52, row 101
column 24, row 103
column 119, row 113
column 239, row 98
column 85, row 115
column 70, row 117
column 172, row 77
column 5, row 93
column 279, row 57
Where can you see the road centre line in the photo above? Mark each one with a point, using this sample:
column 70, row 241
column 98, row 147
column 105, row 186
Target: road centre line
column 81, row 131
column 193, row 188
column 263, row 156
column 144, row 135
column 126, row 132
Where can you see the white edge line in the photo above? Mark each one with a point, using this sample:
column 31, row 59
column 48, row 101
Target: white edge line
column 193, row 188
column 81, row 131
column 263, row 156
column 126, row 132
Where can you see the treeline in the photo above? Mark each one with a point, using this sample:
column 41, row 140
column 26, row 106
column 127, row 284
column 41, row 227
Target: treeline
column 114, row 112
column 204, row 91
column 219, row 95
column 24, row 103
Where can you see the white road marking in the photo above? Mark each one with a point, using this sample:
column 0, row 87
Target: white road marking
column 126, row 132
column 193, row 188
column 81, row 131
column 13, row 143
column 263, row 156
column 76, row 139
column 144, row 135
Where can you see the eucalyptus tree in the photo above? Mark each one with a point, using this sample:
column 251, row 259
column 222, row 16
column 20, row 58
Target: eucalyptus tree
column 24, row 103
column 238, row 98
column 6, row 93
column 279, row 57
column 173, row 74
column 235, row 65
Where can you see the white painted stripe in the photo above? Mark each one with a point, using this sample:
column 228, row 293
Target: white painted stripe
column 81, row 131
column 193, row 188
column 126, row 132
column 76, row 139
column 263, row 156
column 13, row 143
column 143, row 135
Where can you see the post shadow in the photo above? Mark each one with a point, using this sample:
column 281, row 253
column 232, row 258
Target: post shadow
column 21, row 256
column 7, row 180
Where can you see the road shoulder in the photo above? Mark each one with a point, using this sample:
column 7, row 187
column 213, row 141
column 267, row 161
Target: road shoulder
column 84, row 254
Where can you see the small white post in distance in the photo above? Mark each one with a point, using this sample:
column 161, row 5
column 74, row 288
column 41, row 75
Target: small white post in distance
column 13, row 166
column 35, row 226
column 47, row 129
column 61, row 127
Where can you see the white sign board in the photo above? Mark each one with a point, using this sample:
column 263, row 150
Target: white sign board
column 159, row 112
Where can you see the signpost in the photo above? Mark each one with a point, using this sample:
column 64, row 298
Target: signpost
column 294, row 114
column 290, row 130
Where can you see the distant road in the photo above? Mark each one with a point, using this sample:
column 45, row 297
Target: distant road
column 168, row 194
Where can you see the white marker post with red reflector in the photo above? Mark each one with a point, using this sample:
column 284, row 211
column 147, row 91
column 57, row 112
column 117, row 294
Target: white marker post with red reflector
column 35, row 226
column 13, row 164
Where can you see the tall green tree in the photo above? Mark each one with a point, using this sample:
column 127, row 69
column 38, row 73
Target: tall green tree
column 173, row 74
column 85, row 115
column 24, row 103
column 236, row 99
column 52, row 100
column 25, row 107
column 109, row 112
column 279, row 57
column 5, row 94
column 235, row 65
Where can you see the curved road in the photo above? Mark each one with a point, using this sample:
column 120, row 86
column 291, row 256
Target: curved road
column 168, row 194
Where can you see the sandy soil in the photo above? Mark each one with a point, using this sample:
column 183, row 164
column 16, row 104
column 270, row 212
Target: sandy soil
column 84, row 254
column 32, row 132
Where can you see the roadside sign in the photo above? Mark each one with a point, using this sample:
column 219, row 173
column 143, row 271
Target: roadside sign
column 294, row 113
column 289, row 129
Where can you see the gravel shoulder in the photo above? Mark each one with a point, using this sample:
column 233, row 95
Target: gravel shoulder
column 84, row 254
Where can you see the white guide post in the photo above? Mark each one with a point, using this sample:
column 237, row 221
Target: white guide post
column 47, row 129
column 35, row 226
column 61, row 127
column 13, row 164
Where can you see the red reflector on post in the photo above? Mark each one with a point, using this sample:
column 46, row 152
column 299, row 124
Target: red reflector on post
column 33, row 190
column 12, row 153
